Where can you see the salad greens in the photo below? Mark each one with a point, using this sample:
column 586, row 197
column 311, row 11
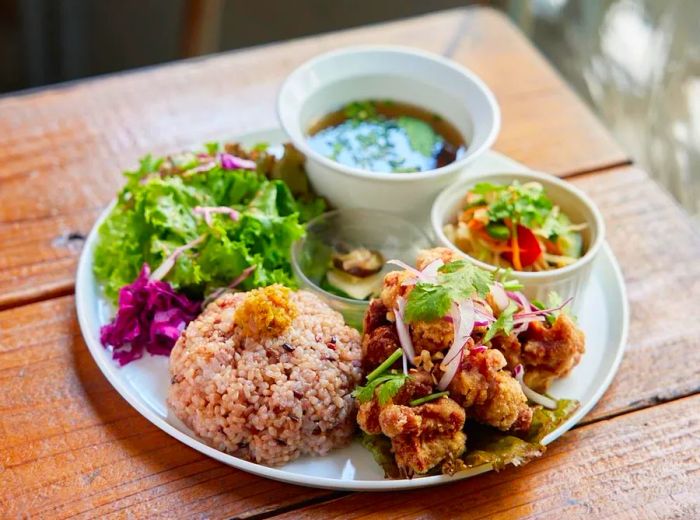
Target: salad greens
column 486, row 445
column 156, row 213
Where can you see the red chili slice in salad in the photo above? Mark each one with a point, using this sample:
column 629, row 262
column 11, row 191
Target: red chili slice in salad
column 528, row 249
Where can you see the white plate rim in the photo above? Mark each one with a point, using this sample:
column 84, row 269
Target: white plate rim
column 111, row 372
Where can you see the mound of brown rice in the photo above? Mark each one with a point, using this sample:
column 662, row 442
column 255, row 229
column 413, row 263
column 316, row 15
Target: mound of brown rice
column 268, row 399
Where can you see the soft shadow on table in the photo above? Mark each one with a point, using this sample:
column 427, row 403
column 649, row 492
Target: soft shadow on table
column 159, row 465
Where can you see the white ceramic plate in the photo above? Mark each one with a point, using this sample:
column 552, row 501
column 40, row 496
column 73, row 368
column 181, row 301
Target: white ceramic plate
column 144, row 383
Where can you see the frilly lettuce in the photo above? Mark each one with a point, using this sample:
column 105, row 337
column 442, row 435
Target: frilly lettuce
column 154, row 214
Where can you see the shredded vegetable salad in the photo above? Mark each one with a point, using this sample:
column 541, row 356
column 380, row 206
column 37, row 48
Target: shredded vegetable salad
column 515, row 226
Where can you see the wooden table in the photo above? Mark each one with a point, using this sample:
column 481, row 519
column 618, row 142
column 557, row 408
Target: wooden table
column 71, row 446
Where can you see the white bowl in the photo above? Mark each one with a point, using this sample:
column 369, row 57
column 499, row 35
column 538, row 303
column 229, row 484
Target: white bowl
column 329, row 81
column 568, row 281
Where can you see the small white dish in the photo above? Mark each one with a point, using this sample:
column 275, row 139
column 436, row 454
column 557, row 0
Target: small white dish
column 329, row 81
column 604, row 317
column 569, row 281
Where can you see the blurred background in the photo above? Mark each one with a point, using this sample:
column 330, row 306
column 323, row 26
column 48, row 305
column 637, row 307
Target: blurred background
column 636, row 62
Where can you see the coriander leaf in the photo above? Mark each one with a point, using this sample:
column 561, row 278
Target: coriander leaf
column 390, row 388
column 456, row 281
column 463, row 279
column 388, row 385
column 525, row 204
column 504, row 323
column 421, row 135
column 427, row 302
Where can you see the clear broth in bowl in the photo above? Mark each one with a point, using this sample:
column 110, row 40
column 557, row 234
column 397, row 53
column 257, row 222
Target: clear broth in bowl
column 386, row 136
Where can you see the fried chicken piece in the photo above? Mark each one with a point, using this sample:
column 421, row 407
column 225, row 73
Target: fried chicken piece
column 432, row 336
column 490, row 394
column 506, row 406
column 377, row 346
column 425, row 256
column 379, row 340
column 368, row 417
column 392, row 288
column 546, row 352
column 419, row 385
column 376, row 316
column 424, row 436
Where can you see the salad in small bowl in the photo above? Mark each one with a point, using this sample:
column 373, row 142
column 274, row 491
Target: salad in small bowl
column 544, row 230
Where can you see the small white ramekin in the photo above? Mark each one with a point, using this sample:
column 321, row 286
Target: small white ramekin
column 329, row 81
column 568, row 281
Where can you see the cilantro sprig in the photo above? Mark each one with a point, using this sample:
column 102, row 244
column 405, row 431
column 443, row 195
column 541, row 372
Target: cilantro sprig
column 455, row 281
column 525, row 204
column 388, row 382
column 504, row 323
column 389, row 385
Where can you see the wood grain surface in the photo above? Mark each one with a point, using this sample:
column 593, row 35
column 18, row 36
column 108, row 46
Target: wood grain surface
column 70, row 446
column 63, row 149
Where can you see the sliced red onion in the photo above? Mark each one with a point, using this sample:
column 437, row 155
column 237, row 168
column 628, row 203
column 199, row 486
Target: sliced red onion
column 521, row 300
column 481, row 315
column 231, row 162
column 201, row 168
column 519, row 320
column 169, row 262
column 207, row 211
column 235, row 283
column 428, row 274
column 518, row 329
column 500, row 298
column 405, row 363
column 415, row 272
column 451, row 371
column 430, row 271
column 519, row 373
column 462, row 313
column 544, row 312
column 402, row 330
column 478, row 348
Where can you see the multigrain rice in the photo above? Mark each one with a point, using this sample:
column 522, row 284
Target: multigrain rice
column 268, row 400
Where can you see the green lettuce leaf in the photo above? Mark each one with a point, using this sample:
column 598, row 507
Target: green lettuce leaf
column 380, row 448
column 154, row 215
column 486, row 445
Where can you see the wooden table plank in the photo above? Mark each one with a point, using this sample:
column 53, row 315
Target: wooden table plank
column 62, row 149
column 641, row 465
column 657, row 246
column 72, row 446
column 543, row 120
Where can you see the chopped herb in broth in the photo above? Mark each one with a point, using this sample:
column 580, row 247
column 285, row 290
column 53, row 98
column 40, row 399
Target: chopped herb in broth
column 386, row 136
